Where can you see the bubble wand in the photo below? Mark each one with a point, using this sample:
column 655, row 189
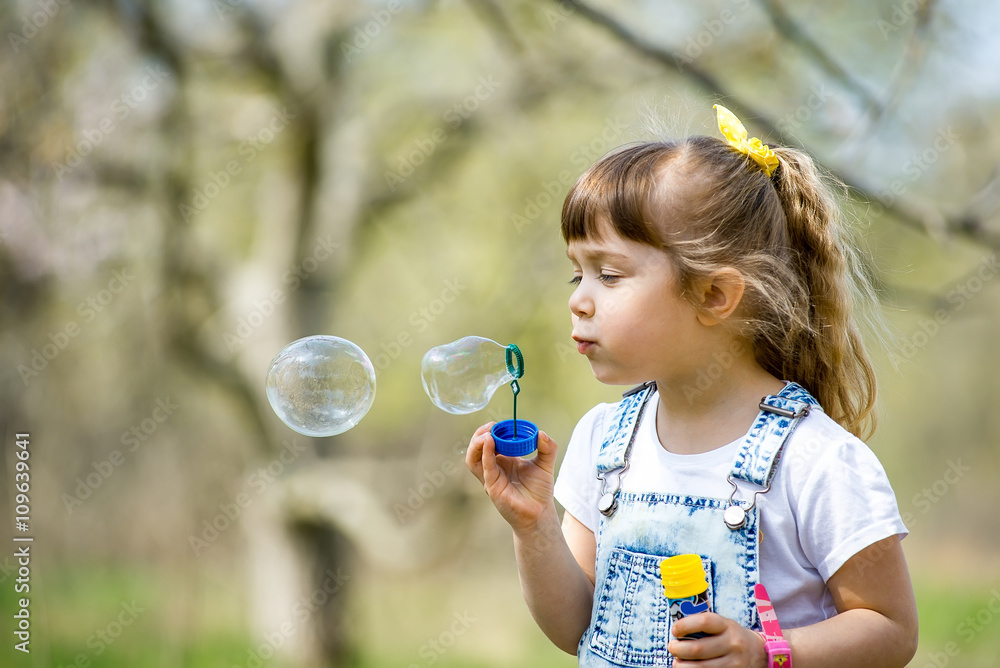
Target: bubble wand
column 460, row 377
column 517, row 372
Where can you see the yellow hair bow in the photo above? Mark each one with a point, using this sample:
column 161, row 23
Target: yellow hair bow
column 736, row 135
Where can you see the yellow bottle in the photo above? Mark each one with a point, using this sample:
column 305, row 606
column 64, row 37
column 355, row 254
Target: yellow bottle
column 686, row 586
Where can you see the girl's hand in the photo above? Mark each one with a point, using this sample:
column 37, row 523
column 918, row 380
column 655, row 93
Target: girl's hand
column 520, row 488
column 729, row 645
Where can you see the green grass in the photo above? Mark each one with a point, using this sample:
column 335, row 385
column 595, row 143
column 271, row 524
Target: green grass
column 94, row 616
column 950, row 632
column 78, row 615
column 398, row 620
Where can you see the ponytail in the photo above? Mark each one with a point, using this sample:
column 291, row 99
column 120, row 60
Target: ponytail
column 826, row 355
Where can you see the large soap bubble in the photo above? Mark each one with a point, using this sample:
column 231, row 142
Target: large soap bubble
column 460, row 377
column 321, row 385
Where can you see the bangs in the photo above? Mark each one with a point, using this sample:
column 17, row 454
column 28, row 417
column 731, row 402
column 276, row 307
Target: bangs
column 615, row 192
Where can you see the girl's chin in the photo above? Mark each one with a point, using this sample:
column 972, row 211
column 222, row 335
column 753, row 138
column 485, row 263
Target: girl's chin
column 611, row 376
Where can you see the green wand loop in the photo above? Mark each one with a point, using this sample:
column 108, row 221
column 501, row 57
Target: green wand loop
column 516, row 371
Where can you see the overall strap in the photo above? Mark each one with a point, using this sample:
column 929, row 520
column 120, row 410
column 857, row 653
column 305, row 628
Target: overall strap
column 757, row 460
column 621, row 427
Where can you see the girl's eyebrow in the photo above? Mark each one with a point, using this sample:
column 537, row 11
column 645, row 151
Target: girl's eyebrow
column 596, row 254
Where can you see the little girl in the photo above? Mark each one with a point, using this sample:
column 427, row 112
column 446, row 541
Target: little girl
column 713, row 273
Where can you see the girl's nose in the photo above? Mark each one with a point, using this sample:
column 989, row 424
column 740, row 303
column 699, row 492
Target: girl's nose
column 581, row 304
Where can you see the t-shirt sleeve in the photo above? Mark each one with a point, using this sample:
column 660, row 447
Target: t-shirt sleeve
column 845, row 505
column 577, row 488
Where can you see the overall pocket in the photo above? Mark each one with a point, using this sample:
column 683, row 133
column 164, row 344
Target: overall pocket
column 632, row 620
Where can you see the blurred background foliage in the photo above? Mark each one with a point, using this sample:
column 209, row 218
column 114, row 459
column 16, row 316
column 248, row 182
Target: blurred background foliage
column 188, row 185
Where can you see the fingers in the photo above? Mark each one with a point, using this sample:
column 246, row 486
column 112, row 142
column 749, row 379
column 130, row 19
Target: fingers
column 547, row 449
column 694, row 649
column 705, row 622
column 726, row 639
column 474, row 455
column 491, row 471
column 683, row 647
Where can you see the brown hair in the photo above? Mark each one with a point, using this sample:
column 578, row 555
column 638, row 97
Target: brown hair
column 709, row 206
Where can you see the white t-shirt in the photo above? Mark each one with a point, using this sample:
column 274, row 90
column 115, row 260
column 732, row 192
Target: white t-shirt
column 829, row 499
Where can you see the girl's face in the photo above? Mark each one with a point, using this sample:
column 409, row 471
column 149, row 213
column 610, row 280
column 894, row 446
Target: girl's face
column 628, row 316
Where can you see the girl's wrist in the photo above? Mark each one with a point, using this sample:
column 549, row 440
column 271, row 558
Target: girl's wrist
column 758, row 658
column 542, row 527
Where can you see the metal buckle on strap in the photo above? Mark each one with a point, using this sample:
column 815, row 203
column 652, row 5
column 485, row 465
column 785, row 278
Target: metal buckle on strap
column 608, row 502
column 735, row 516
column 784, row 412
column 638, row 388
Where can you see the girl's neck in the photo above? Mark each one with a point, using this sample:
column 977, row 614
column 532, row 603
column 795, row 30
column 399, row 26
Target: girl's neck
column 710, row 411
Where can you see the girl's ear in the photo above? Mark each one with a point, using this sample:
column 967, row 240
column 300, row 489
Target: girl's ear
column 718, row 295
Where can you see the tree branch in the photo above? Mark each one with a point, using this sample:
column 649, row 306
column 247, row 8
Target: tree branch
column 914, row 55
column 785, row 26
column 493, row 17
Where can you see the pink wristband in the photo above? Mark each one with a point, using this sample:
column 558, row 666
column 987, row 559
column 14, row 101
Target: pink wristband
column 779, row 654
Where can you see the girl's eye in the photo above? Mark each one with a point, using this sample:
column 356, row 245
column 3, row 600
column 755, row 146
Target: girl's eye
column 607, row 279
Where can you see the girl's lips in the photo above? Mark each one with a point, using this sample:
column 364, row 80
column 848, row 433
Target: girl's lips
column 583, row 346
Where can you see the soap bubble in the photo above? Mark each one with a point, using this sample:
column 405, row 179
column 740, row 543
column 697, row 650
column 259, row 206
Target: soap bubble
column 321, row 385
column 461, row 377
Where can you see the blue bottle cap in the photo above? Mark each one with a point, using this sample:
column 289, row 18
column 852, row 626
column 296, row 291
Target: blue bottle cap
column 525, row 443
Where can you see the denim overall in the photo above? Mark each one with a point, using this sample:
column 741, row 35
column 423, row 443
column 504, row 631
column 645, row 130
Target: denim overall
column 630, row 623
